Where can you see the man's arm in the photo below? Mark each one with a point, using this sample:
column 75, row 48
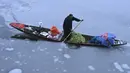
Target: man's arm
column 76, row 19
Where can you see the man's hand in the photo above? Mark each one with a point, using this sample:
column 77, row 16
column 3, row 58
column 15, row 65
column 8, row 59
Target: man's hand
column 82, row 20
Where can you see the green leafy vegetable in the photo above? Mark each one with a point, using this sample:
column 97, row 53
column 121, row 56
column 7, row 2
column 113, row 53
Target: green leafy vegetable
column 77, row 38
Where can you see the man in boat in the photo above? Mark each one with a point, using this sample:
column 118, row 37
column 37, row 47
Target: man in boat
column 67, row 25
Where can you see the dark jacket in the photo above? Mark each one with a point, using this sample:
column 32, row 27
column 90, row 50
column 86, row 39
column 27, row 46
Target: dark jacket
column 67, row 25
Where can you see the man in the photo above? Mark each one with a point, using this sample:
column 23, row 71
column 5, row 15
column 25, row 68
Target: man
column 67, row 26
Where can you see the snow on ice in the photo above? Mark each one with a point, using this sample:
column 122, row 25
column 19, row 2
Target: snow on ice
column 2, row 69
column 60, row 49
column 91, row 68
column 9, row 49
column 56, row 59
column 20, row 54
column 12, row 40
column 67, row 56
column 18, row 62
column 64, row 70
column 45, row 48
column 62, row 62
column 41, row 49
column 16, row 71
column 33, row 51
column 125, row 66
column 7, row 58
column 116, row 64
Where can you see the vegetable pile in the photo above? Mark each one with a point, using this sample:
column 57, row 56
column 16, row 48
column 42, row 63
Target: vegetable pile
column 77, row 38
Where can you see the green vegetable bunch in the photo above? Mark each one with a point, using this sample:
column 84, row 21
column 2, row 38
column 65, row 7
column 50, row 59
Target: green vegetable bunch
column 77, row 38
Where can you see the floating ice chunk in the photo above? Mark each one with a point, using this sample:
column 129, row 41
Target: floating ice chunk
column 56, row 60
column 91, row 68
column 41, row 49
column 125, row 66
column 63, row 45
column 37, row 70
column 18, row 62
column 33, row 51
column 62, row 62
column 16, row 71
column 28, row 41
column 7, row 58
column 20, row 55
column 12, row 40
column 64, row 70
column 2, row 70
column 9, row 49
column 57, row 68
column 45, row 48
column 118, row 67
column 67, row 56
column 60, row 49
column 54, row 56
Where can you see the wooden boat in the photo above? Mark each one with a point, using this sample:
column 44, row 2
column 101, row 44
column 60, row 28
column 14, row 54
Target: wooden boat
column 34, row 32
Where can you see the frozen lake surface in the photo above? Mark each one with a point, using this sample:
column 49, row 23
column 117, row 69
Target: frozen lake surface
column 25, row 56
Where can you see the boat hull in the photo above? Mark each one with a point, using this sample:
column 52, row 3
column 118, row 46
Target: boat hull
column 34, row 31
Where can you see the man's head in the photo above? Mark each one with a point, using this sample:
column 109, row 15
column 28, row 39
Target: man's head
column 70, row 14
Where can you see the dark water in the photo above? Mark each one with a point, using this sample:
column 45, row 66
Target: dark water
column 47, row 57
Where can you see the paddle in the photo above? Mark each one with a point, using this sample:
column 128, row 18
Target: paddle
column 71, row 31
